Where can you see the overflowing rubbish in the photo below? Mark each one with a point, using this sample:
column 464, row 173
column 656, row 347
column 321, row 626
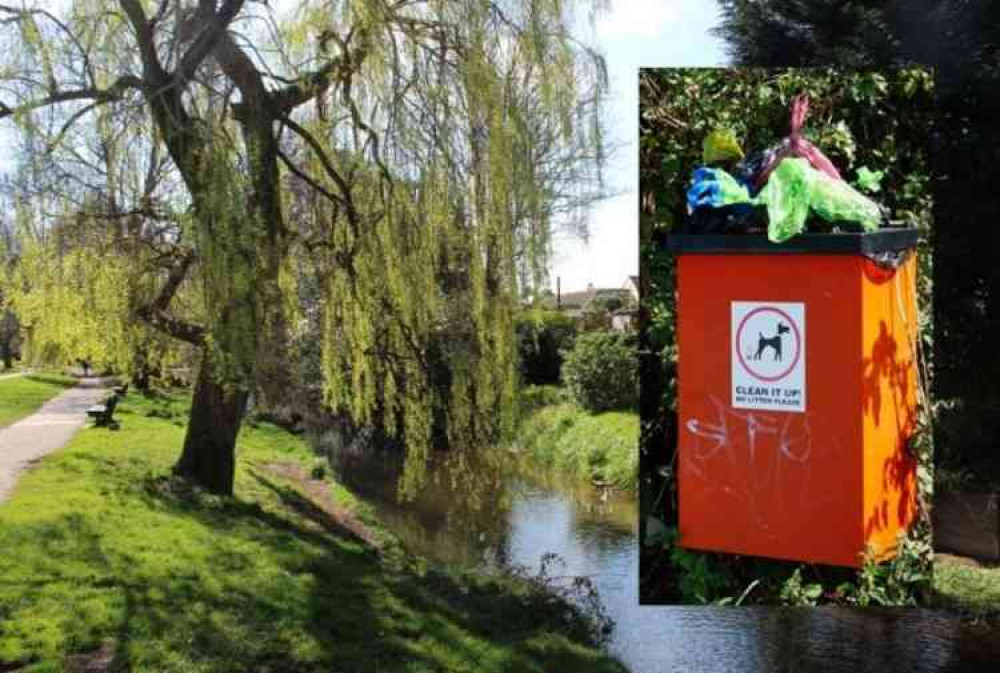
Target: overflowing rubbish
column 797, row 146
column 787, row 195
column 739, row 218
column 720, row 145
column 789, row 182
column 795, row 189
column 749, row 170
column 714, row 187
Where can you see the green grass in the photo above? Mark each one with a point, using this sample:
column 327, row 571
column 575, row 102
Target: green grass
column 974, row 590
column 23, row 395
column 602, row 447
column 99, row 544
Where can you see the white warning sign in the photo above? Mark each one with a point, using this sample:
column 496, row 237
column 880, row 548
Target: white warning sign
column 769, row 355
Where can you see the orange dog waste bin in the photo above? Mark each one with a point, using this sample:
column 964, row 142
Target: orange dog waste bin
column 797, row 389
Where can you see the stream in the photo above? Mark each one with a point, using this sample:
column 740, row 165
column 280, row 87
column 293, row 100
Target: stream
column 500, row 509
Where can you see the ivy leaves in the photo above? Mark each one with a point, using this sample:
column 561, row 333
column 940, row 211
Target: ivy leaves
column 869, row 180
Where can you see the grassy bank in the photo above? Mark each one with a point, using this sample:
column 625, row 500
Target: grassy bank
column 23, row 395
column 601, row 447
column 108, row 559
column 964, row 585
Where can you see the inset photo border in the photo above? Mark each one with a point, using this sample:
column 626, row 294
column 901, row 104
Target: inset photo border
column 786, row 280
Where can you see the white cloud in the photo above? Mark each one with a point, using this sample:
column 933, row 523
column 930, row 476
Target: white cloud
column 611, row 254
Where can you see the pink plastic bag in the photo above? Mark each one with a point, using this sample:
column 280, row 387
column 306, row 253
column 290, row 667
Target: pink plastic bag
column 797, row 146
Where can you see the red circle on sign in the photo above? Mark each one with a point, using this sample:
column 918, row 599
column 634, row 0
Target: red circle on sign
column 739, row 339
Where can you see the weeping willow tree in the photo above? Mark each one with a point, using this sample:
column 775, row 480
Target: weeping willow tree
column 416, row 152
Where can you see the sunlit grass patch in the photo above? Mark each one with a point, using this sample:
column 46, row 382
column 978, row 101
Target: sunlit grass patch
column 102, row 544
column 23, row 395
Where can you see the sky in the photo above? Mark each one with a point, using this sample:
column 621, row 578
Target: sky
column 631, row 34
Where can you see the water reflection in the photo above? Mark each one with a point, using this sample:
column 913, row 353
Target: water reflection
column 499, row 508
column 820, row 639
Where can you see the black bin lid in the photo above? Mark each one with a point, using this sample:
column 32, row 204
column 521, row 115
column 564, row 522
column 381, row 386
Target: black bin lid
column 869, row 244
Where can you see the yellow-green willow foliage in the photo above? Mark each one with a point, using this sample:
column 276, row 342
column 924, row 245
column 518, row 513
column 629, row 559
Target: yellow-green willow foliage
column 72, row 306
column 413, row 326
column 76, row 296
column 421, row 290
column 228, row 238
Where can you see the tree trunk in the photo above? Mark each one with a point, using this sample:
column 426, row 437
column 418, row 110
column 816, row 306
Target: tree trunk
column 8, row 356
column 142, row 372
column 209, row 456
column 140, row 380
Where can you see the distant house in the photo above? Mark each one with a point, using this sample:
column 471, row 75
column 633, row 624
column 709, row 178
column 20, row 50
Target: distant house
column 626, row 319
column 617, row 304
column 632, row 287
column 574, row 304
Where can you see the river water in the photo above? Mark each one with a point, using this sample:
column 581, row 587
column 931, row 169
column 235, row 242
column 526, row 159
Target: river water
column 504, row 510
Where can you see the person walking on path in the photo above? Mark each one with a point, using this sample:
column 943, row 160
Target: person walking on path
column 47, row 430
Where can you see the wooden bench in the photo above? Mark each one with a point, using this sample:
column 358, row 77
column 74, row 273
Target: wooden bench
column 102, row 413
column 121, row 391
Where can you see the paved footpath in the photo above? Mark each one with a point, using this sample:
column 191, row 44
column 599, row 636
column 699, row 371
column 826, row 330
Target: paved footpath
column 45, row 431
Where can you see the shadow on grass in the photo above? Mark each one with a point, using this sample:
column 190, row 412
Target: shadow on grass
column 185, row 581
column 308, row 510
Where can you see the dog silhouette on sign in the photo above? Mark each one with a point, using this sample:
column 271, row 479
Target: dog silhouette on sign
column 763, row 343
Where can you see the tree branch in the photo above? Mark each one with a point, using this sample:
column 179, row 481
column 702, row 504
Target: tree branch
column 155, row 313
column 174, row 280
column 178, row 329
column 215, row 25
column 240, row 69
column 318, row 82
column 152, row 68
column 69, row 123
column 302, row 175
column 345, row 190
column 310, row 86
column 160, row 13
column 112, row 93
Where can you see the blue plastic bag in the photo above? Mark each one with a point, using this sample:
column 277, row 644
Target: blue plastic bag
column 715, row 188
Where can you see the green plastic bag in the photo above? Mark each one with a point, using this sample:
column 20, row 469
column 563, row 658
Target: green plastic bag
column 787, row 195
column 795, row 187
column 835, row 200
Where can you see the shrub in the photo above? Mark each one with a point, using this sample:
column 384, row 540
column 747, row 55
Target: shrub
column 597, row 447
column 601, row 371
column 542, row 338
